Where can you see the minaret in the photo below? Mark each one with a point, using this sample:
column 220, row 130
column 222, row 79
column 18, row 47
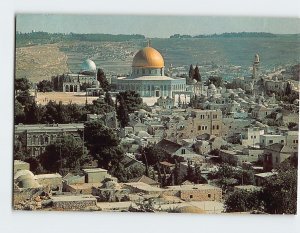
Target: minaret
column 255, row 66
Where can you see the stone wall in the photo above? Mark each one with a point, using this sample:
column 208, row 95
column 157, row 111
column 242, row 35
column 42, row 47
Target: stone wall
column 111, row 195
column 201, row 195
column 68, row 205
column 21, row 195
column 54, row 183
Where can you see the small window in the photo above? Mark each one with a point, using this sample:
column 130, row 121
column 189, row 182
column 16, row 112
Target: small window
column 270, row 141
column 191, row 196
column 209, row 195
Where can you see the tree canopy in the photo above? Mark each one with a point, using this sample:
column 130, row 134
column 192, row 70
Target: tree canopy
column 132, row 100
column 45, row 86
column 102, row 80
column 66, row 152
column 103, row 143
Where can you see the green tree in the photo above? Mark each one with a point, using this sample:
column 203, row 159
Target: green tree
column 199, row 179
column 280, row 193
column 108, row 100
column 22, row 84
column 33, row 113
column 51, row 114
column 66, row 152
column 122, row 113
column 197, row 75
column 190, row 173
column 216, row 80
column 102, row 80
column 191, row 72
column 45, row 86
column 99, row 106
column 76, row 113
column 151, row 155
column 103, row 144
column 288, row 89
column 24, row 97
column 35, row 165
column 132, row 100
column 243, row 201
column 19, row 114
column 62, row 114
column 177, row 174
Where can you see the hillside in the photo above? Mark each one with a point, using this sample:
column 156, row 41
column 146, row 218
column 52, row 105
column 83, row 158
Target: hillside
column 40, row 62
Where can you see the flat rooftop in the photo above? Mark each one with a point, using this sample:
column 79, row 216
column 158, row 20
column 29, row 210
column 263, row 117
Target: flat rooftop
column 48, row 176
column 85, row 185
column 266, row 174
column 36, row 127
column 192, row 187
column 18, row 162
column 144, row 187
column 92, row 170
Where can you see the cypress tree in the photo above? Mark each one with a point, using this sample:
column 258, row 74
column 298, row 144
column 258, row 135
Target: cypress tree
column 122, row 113
column 197, row 75
column 108, row 100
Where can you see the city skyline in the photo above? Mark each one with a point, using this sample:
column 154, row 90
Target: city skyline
column 165, row 26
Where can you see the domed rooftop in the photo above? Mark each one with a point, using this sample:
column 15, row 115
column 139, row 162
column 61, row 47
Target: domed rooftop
column 23, row 173
column 148, row 57
column 28, row 182
column 88, row 66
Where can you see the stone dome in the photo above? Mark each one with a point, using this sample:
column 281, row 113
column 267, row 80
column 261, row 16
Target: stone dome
column 21, row 173
column 148, row 57
column 28, row 182
column 88, row 66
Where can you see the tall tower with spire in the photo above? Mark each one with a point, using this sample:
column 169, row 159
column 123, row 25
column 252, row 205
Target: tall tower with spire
column 255, row 66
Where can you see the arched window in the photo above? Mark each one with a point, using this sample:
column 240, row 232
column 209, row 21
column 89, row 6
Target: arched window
column 41, row 141
column 46, row 140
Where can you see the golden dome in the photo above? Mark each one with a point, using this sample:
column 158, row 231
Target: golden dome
column 149, row 58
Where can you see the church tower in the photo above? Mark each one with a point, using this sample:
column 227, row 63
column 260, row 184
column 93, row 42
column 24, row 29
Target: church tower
column 255, row 67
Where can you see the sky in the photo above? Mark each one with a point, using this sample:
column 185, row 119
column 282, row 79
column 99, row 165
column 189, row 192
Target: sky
column 153, row 26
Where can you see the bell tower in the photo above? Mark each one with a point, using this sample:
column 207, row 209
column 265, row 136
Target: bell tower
column 255, row 66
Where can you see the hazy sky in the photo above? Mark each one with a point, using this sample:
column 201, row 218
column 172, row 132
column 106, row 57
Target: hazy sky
column 153, row 26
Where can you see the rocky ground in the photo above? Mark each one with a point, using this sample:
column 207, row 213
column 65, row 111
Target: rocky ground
column 40, row 62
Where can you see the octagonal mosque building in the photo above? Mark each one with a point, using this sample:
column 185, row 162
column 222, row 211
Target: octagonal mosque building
column 148, row 78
